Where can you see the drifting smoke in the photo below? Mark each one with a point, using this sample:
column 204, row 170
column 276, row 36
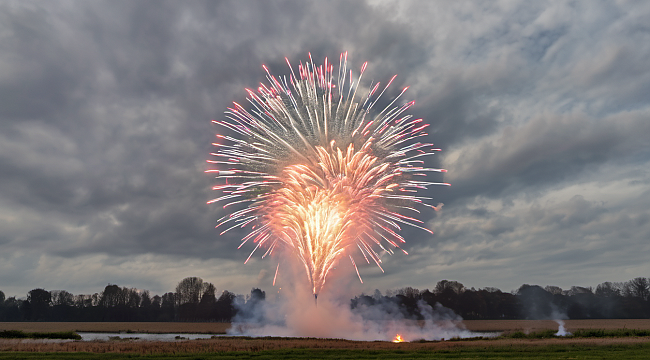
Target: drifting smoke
column 333, row 318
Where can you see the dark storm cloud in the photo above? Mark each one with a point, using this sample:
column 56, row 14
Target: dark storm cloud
column 105, row 112
column 548, row 149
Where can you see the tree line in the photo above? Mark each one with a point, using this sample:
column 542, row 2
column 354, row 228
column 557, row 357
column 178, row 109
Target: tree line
column 197, row 300
column 609, row 300
column 193, row 300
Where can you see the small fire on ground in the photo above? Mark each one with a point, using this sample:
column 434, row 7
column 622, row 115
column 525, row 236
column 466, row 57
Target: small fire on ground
column 398, row 338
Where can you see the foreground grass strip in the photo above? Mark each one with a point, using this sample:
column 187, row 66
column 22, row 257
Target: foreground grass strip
column 636, row 351
column 17, row 334
column 580, row 333
column 588, row 333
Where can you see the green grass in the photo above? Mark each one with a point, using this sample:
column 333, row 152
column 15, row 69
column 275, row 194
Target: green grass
column 580, row 333
column 636, row 351
column 544, row 334
column 17, row 334
column 590, row 333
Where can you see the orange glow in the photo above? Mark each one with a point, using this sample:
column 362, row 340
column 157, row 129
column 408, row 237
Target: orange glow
column 327, row 206
column 398, row 338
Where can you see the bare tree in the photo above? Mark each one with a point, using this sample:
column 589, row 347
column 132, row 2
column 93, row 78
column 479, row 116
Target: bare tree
column 189, row 291
column 62, row 297
column 491, row 289
column 133, row 297
column 638, row 287
column 409, row 292
column 555, row 290
column 454, row 286
column 146, row 299
column 209, row 293
column 156, row 301
column 608, row 289
column 575, row 290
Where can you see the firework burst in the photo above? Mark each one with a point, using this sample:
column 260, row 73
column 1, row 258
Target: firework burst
column 317, row 172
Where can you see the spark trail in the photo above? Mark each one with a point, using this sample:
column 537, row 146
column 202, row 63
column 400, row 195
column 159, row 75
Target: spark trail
column 313, row 169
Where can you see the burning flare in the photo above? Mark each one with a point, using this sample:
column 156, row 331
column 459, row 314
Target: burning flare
column 398, row 339
column 320, row 174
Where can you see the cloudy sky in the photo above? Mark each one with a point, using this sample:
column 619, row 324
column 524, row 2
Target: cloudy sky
column 542, row 110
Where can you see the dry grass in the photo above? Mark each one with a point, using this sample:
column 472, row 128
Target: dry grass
column 140, row 327
column 258, row 344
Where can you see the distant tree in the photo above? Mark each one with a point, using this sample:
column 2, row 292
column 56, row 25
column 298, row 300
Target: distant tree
column 257, row 295
column 112, row 296
column 491, row 289
column 133, row 298
column 472, row 305
column 167, row 300
column 11, row 310
column 224, row 310
column 608, row 289
column 445, row 285
column 535, row 302
column 156, row 301
column 205, row 310
column 508, row 306
column 62, row 306
column 189, row 291
column 167, row 309
column 38, row 304
column 409, row 292
column 448, row 292
column 2, row 297
column 429, row 297
column 80, row 300
column 208, row 296
column 146, row 312
column 96, row 297
column 62, row 297
column 639, row 288
column 575, row 290
column 145, row 301
column 364, row 301
column 494, row 300
column 553, row 290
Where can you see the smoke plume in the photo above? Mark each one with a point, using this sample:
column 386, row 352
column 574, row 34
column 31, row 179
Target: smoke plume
column 292, row 311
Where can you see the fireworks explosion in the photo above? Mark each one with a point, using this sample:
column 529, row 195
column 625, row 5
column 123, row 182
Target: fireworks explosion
column 317, row 172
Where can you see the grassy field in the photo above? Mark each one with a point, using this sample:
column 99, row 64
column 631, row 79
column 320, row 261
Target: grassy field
column 555, row 351
column 508, row 326
column 246, row 344
column 602, row 339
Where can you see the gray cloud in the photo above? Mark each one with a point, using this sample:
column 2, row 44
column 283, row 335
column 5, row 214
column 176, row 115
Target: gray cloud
column 105, row 112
